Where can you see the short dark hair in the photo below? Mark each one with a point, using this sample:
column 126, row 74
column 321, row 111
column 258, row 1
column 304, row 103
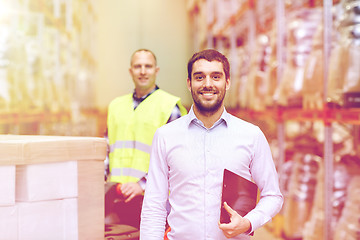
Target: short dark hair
column 209, row 55
column 143, row 50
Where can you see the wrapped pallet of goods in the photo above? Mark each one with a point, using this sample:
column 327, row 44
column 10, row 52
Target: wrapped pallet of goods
column 302, row 184
column 313, row 74
column 256, row 84
column 271, row 70
column 301, row 30
column 344, row 75
column 313, row 229
column 349, row 223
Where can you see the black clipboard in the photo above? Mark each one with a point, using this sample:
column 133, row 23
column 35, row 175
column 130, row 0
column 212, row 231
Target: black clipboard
column 239, row 193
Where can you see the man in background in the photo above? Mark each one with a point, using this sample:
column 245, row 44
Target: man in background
column 131, row 124
column 188, row 159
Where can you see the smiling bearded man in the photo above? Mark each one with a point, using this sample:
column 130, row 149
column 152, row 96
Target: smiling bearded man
column 188, row 159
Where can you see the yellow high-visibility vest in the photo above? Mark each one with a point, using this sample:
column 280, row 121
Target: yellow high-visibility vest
column 131, row 132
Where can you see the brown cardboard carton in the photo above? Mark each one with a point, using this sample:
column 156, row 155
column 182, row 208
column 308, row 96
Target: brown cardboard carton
column 7, row 185
column 42, row 152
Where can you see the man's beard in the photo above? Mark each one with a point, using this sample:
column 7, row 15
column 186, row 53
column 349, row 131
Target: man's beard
column 207, row 109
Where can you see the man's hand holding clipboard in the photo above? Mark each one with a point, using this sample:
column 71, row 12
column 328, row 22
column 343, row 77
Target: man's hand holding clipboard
column 239, row 196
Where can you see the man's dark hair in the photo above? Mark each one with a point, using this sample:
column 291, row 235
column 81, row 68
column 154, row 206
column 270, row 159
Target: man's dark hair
column 209, row 55
column 143, row 50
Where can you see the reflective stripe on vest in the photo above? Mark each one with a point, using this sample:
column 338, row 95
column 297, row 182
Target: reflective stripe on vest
column 128, row 172
column 130, row 144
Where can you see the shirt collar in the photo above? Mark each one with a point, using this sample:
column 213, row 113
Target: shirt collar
column 140, row 99
column 225, row 117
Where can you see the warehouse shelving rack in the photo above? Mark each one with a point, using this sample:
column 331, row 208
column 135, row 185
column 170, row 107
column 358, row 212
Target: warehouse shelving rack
column 346, row 116
column 70, row 38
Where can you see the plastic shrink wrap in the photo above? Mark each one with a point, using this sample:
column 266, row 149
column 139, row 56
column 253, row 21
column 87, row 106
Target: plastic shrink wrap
column 344, row 70
column 271, row 70
column 349, row 220
column 313, row 229
column 303, row 181
column 236, row 96
column 313, row 74
column 256, row 87
column 349, row 223
column 301, row 30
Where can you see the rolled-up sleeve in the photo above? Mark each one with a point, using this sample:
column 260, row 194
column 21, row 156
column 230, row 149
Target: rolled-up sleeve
column 154, row 213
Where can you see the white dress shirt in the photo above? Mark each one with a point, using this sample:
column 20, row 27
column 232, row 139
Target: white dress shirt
column 186, row 168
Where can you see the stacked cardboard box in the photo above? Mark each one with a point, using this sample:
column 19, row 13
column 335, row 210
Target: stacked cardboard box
column 51, row 187
column 8, row 210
